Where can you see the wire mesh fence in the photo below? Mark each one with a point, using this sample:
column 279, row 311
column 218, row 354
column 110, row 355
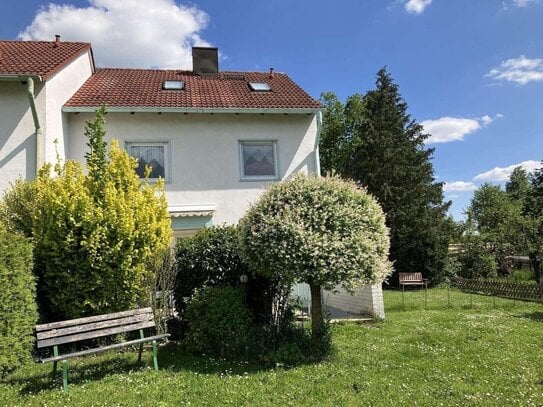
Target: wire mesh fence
column 442, row 298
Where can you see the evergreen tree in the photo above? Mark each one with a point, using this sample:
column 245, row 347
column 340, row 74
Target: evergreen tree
column 533, row 209
column 383, row 149
column 534, row 200
column 518, row 187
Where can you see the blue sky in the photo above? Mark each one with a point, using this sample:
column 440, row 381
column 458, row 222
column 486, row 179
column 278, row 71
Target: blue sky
column 470, row 71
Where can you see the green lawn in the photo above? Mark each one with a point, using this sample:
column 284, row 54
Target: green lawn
column 473, row 352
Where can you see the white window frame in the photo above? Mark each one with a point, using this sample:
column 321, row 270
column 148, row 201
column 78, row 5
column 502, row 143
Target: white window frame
column 167, row 152
column 243, row 177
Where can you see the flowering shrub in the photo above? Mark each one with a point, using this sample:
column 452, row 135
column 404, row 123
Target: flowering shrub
column 322, row 231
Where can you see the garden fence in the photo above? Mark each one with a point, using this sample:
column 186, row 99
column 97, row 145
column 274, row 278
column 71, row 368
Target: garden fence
column 513, row 290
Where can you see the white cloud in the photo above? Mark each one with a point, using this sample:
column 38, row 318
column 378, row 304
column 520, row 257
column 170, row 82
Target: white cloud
column 417, row 6
column 446, row 129
column 486, row 120
column 503, row 173
column 127, row 33
column 459, row 186
column 523, row 3
column 520, row 70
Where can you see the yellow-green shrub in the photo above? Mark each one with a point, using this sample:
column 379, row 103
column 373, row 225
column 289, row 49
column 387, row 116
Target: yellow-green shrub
column 95, row 231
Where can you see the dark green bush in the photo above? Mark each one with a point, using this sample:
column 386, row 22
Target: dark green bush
column 211, row 258
column 476, row 261
column 219, row 322
column 17, row 301
column 294, row 344
column 452, row 268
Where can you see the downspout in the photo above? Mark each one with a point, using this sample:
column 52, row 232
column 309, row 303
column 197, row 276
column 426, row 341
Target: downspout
column 40, row 141
column 317, row 140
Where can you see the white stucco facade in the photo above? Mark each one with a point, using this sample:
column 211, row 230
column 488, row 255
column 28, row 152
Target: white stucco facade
column 17, row 136
column 204, row 157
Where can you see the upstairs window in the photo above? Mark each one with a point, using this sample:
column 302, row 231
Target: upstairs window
column 258, row 160
column 153, row 155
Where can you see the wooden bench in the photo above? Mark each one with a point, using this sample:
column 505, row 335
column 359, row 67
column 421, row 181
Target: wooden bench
column 75, row 330
column 412, row 279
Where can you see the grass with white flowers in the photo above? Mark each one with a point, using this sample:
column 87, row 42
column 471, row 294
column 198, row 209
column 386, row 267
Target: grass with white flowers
column 470, row 351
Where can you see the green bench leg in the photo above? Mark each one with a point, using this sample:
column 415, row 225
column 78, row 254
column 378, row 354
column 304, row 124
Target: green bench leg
column 65, row 375
column 155, row 359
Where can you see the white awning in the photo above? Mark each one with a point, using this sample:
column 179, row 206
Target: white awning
column 191, row 210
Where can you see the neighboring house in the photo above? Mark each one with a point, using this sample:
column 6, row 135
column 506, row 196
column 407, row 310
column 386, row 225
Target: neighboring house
column 36, row 79
column 217, row 138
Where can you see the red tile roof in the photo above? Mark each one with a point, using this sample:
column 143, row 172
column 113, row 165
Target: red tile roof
column 142, row 88
column 43, row 58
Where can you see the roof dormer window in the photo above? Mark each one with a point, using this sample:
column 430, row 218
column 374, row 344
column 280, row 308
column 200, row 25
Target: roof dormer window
column 173, row 85
column 259, row 87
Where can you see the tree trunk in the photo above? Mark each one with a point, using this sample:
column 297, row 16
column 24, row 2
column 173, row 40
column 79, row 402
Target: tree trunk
column 316, row 309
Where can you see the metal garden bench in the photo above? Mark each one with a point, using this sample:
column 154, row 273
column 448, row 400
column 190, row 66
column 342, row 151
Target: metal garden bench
column 75, row 330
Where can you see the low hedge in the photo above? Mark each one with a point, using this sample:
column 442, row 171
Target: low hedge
column 18, row 313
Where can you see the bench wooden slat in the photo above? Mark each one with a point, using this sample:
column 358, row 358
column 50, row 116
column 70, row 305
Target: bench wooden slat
column 54, row 333
column 103, row 348
column 96, row 318
column 95, row 334
column 412, row 279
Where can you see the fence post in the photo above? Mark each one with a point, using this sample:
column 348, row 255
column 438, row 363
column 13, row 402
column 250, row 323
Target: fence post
column 425, row 298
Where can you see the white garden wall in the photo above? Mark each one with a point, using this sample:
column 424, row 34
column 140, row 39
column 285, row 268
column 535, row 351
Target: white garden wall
column 368, row 300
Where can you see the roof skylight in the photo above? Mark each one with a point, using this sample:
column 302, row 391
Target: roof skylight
column 173, row 85
column 259, row 86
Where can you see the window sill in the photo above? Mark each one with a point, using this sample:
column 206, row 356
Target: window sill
column 259, row 179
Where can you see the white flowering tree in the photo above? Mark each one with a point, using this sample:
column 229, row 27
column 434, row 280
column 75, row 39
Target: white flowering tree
column 321, row 231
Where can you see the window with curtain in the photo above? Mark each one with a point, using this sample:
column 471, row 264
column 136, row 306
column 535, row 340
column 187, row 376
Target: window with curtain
column 258, row 160
column 152, row 155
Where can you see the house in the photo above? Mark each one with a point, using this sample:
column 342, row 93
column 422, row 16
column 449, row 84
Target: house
column 217, row 138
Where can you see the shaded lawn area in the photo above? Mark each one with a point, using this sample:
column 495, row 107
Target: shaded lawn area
column 476, row 352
